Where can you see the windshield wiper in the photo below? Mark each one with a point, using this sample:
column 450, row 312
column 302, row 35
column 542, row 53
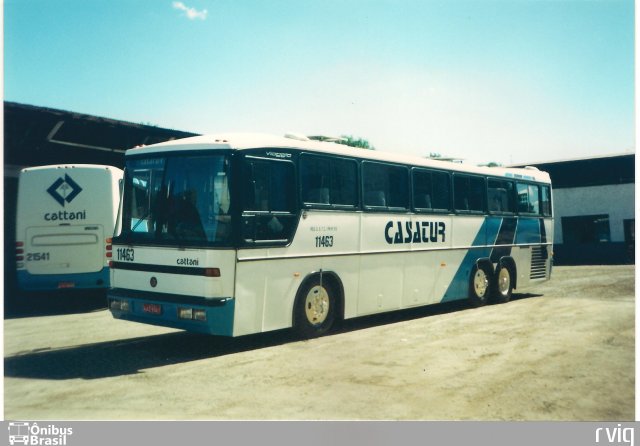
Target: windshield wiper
column 133, row 229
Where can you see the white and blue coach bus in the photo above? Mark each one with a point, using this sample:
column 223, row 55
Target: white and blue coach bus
column 65, row 219
column 238, row 234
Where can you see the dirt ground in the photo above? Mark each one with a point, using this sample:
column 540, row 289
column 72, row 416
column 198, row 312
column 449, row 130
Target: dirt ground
column 564, row 352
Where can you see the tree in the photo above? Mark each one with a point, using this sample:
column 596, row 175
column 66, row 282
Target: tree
column 361, row 143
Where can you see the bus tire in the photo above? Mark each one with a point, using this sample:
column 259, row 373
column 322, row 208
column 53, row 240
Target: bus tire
column 479, row 288
column 315, row 308
column 502, row 284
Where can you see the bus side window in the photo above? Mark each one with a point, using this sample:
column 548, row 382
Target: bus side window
column 269, row 201
column 385, row 186
column 328, row 181
column 469, row 193
column 422, row 189
column 315, row 177
column 431, row 190
column 500, row 196
column 545, row 202
column 441, row 191
column 528, row 198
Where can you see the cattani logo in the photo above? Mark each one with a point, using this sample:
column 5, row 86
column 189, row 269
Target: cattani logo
column 32, row 434
column 64, row 190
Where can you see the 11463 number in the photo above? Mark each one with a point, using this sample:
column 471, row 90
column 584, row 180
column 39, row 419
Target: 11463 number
column 324, row 241
column 125, row 254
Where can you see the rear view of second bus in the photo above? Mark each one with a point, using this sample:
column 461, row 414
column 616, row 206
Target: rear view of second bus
column 65, row 220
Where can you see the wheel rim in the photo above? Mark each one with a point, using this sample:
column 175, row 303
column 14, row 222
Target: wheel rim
column 504, row 281
column 316, row 305
column 480, row 283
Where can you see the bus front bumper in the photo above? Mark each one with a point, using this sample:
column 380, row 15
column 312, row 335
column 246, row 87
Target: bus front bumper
column 190, row 313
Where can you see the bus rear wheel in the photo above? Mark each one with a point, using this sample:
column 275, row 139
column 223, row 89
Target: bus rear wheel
column 315, row 309
column 479, row 285
column 502, row 284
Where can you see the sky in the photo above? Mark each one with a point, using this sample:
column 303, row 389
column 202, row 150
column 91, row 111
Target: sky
column 508, row 81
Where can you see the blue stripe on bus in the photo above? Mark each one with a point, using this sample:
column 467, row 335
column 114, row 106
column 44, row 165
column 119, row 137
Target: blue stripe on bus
column 44, row 282
column 543, row 231
column 505, row 239
column 528, row 231
column 499, row 231
column 459, row 286
column 494, row 225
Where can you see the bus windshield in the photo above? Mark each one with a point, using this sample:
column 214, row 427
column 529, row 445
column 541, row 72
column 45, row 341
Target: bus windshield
column 177, row 200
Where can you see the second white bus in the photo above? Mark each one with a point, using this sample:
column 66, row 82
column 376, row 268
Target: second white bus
column 239, row 234
column 66, row 215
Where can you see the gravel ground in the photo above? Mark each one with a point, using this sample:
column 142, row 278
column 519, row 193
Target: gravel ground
column 565, row 351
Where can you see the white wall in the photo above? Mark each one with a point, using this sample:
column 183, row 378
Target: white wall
column 617, row 201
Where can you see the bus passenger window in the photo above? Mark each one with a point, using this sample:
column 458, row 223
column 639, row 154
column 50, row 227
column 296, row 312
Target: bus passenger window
column 545, row 202
column 315, row 176
column 528, row 198
column 431, row 190
column 344, row 182
column 328, row 181
column 385, row 186
column 441, row 199
column 534, row 198
column 500, row 196
column 422, row 189
column 469, row 193
column 269, row 186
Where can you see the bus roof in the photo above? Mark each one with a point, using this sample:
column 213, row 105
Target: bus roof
column 246, row 141
column 71, row 166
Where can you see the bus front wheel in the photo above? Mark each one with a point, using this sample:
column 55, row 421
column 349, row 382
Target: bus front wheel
column 479, row 285
column 315, row 309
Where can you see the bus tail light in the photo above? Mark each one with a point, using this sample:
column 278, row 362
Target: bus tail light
column 109, row 248
column 19, row 254
column 212, row 272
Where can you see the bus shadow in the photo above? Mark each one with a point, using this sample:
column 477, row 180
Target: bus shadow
column 393, row 317
column 521, row 296
column 131, row 356
column 413, row 313
column 53, row 303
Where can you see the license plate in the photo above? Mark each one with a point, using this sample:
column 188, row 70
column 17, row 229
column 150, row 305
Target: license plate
column 152, row 308
column 66, row 284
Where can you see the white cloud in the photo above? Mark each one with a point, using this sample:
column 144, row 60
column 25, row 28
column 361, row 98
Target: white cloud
column 191, row 13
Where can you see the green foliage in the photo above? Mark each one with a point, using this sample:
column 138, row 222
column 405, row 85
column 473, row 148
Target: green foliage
column 361, row 143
